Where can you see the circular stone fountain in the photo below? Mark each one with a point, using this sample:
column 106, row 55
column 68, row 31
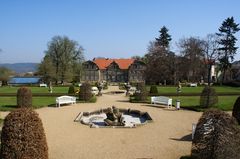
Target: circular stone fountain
column 114, row 117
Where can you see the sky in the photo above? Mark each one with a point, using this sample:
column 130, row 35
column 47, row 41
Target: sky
column 105, row 28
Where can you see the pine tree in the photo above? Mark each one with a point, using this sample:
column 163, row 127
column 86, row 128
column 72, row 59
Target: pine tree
column 227, row 43
column 160, row 67
column 164, row 38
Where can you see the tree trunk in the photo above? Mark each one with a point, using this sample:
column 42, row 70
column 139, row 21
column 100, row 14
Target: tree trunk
column 209, row 74
column 223, row 76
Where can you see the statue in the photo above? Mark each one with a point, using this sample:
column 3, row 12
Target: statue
column 114, row 117
column 50, row 89
column 179, row 87
column 100, row 87
column 127, row 87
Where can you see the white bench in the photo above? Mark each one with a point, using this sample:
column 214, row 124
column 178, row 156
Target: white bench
column 162, row 100
column 42, row 85
column 65, row 100
column 193, row 84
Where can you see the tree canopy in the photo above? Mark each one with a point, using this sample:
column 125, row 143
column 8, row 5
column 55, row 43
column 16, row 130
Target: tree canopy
column 61, row 58
column 5, row 75
column 227, row 42
column 164, row 38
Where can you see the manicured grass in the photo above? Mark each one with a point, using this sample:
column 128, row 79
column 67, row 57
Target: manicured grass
column 9, row 103
column 224, row 102
column 219, row 89
column 8, row 89
column 192, row 102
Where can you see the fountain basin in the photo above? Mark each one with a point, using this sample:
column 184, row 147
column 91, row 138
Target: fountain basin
column 131, row 118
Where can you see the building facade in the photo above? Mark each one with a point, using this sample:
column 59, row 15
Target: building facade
column 114, row 70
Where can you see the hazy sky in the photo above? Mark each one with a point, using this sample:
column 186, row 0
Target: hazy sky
column 106, row 28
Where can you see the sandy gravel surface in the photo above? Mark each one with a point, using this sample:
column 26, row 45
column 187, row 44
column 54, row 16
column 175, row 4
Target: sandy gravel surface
column 167, row 137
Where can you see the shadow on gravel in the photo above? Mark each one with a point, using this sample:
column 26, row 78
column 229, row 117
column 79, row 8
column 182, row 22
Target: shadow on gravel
column 184, row 138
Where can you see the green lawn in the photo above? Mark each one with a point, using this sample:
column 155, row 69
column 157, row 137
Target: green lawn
column 219, row 89
column 34, row 89
column 192, row 102
column 9, row 103
column 224, row 102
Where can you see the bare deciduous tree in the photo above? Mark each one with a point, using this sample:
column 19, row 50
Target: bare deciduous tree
column 210, row 48
column 191, row 50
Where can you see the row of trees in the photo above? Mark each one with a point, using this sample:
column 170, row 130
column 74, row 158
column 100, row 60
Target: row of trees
column 64, row 57
column 196, row 55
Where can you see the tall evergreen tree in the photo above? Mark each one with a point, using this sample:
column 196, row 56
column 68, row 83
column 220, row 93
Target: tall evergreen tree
column 160, row 59
column 227, row 43
column 164, row 38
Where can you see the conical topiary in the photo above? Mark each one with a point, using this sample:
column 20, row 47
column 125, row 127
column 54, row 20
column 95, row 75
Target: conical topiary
column 153, row 89
column 236, row 110
column 216, row 136
column 85, row 93
column 208, row 97
column 71, row 89
column 23, row 136
column 141, row 92
column 24, row 97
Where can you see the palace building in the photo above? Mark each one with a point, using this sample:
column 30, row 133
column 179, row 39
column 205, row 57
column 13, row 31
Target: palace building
column 114, row 70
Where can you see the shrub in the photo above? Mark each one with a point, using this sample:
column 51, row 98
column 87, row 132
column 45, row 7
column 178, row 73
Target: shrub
column 85, row 93
column 153, row 89
column 23, row 135
column 24, row 97
column 71, row 89
column 141, row 93
column 216, row 137
column 232, row 83
column 208, row 97
column 105, row 85
column 236, row 110
column 121, row 86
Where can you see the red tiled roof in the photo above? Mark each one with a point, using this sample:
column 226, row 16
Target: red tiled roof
column 103, row 63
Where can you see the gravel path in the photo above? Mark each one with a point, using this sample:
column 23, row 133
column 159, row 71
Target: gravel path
column 167, row 137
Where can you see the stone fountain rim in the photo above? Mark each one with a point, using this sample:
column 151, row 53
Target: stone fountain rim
column 122, row 110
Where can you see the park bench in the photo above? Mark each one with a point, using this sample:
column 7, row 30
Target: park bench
column 162, row 100
column 65, row 100
column 42, row 85
column 193, row 84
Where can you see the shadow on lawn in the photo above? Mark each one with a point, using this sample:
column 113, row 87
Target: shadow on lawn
column 184, row 138
column 52, row 105
column 193, row 108
column 7, row 107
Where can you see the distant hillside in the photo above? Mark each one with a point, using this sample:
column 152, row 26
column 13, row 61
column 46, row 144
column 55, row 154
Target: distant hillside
column 21, row 67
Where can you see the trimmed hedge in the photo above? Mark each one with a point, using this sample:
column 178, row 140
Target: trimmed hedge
column 216, row 137
column 236, row 110
column 141, row 93
column 24, row 97
column 85, row 93
column 208, row 97
column 71, row 89
column 153, row 90
column 23, row 136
